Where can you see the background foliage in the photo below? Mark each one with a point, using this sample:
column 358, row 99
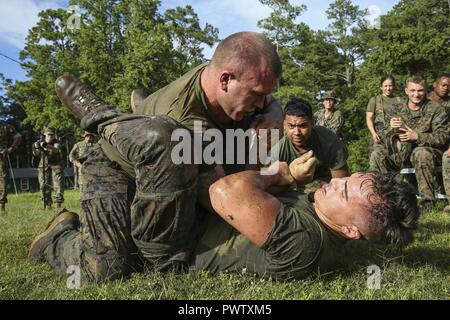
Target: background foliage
column 125, row 44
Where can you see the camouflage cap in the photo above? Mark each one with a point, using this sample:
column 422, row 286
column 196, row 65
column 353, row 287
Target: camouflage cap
column 329, row 95
column 87, row 133
column 50, row 131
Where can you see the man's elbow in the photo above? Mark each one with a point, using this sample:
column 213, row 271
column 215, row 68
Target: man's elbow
column 217, row 194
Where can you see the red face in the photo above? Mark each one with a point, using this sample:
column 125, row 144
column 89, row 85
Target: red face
column 343, row 201
column 246, row 94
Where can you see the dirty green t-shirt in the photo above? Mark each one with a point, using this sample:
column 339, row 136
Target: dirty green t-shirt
column 298, row 244
column 183, row 100
column 330, row 152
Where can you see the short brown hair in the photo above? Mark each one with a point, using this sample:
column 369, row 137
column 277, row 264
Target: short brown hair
column 417, row 80
column 248, row 48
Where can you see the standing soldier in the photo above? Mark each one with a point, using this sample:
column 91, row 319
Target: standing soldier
column 9, row 141
column 80, row 152
column 329, row 117
column 440, row 95
column 50, row 168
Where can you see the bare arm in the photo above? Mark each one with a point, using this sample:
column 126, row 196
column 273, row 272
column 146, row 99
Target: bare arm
column 370, row 117
column 205, row 181
column 241, row 200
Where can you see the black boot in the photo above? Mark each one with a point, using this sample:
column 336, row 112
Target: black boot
column 83, row 103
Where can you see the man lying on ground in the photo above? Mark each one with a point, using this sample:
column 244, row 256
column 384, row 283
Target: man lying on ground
column 291, row 235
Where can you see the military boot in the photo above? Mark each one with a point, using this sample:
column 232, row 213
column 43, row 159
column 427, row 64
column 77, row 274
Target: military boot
column 447, row 208
column 137, row 97
column 64, row 220
column 83, row 103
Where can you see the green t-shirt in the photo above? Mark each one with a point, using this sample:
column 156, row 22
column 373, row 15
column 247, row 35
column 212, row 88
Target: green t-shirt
column 183, row 100
column 330, row 152
column 387, row 104
column 298, row 244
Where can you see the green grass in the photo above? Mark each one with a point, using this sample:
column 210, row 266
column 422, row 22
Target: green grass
column 422, row 271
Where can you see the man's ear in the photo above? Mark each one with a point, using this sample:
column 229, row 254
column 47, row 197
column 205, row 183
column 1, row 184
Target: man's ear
column 351, row 232
column 225, row 78
column 406, row 90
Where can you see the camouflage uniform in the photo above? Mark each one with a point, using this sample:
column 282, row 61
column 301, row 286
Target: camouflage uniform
column 430, row 123
column 54, row 174
column 80, row 152
column 333, row 122
column 7, row 133
column 111, row 242
column 446, row 173
column 445, row 158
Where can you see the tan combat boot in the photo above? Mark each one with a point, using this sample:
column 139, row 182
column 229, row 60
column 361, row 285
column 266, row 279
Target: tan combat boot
column 63, row 220
column 137, row 97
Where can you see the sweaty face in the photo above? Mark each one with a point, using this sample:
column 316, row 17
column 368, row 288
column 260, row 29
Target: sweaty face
column 343, row 200
column 387, row 87
column 298, row 130
column 442, row 87
column 329, row 103
column 416, row 92
column 246, row 94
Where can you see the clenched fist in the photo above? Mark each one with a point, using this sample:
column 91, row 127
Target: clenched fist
column 303, row 168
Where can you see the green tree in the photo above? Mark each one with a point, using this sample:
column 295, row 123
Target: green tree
column 345, row 19
column 118, row 46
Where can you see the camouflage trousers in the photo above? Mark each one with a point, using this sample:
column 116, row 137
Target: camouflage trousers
column 54, row 179
column 423, row 159
column 3, row 177
column 146, row 216
column 446, row 173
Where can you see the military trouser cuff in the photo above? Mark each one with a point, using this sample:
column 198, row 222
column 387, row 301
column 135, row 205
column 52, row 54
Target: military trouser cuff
column 91, row 121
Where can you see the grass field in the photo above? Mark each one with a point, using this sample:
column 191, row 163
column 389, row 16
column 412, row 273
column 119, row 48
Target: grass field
column 422, row 271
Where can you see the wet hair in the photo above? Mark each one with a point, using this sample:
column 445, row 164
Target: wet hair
column 247, row 48
column 393, row 209
column 417, row 80
column 442, row 75
column 387, row 77
column 299, row 108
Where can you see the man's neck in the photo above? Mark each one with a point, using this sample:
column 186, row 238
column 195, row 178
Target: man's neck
column 328, row 223
column 437, row 98
column 415, row 106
